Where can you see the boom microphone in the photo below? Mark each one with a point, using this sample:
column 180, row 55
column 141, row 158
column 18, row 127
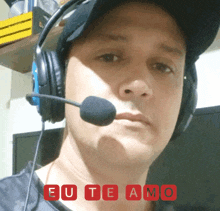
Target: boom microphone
column 95, row 110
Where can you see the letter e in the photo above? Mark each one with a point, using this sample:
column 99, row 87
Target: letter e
column 51, row 192
column 110, row 192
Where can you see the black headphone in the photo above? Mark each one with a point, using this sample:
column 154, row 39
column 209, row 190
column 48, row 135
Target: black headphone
column 48, row 78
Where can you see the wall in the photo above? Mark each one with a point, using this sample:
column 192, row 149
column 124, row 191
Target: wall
column 4, row 10
column 5, row 140
column 5, row 95
column 208, row 71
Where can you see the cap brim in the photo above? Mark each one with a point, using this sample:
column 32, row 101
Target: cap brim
column 199, row 20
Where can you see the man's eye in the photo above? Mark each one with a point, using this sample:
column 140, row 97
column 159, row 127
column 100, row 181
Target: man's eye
column 109, row 58
column 162, row 67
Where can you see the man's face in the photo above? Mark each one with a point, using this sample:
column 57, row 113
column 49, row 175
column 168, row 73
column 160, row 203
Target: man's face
column 135, row 59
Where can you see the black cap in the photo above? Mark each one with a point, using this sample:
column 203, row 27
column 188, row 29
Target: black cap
column 198, row 19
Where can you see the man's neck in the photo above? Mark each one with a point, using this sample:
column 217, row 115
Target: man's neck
column 71, row 168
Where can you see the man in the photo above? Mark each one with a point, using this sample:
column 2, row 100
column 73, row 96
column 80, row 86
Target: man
column 133, row 55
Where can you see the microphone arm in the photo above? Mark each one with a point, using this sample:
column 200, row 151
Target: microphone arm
column 29, row 99
column 95, row 110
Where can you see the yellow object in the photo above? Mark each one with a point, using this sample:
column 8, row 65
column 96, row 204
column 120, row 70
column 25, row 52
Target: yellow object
column 16, row 28
column 62, row 2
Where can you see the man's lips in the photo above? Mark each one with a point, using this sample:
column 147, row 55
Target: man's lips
column 135, row 117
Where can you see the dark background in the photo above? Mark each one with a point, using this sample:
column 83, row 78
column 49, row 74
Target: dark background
column 191, row 162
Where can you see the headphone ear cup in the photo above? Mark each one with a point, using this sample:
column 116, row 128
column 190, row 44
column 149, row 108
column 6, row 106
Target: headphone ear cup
column 42, row 77
column 56, row 78
column 189, row 101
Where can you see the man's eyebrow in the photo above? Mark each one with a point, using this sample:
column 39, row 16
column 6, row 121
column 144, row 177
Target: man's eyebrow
column 113, row 37
column 163, row 46
column 169, row 49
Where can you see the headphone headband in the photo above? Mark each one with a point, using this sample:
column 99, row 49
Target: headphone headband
column 55, row 17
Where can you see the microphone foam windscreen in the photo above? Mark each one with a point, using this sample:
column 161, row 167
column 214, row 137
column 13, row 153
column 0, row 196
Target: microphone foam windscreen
column 97, row 111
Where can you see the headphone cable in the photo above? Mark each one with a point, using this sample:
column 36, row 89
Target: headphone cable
column 34, row 163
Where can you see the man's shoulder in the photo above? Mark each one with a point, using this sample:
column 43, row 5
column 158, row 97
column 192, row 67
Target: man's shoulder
column 13, row 190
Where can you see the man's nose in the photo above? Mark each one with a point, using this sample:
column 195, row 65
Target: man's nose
column 135, row 88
